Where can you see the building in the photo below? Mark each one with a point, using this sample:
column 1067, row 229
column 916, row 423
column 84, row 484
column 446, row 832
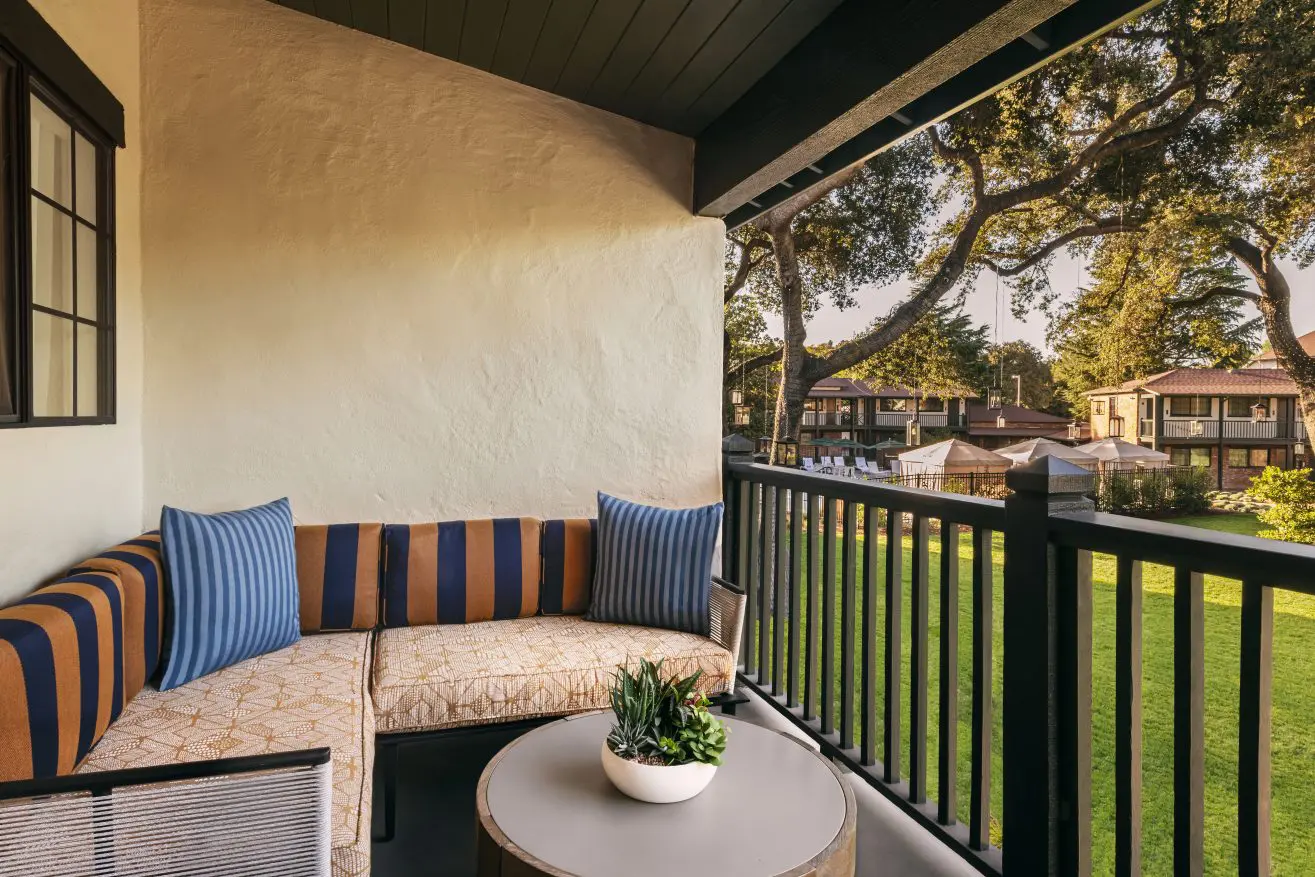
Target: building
column 1233, row 421
column 849, row 409
column 997, row 427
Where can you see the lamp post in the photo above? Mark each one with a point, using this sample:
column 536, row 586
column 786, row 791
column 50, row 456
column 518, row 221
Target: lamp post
column 1018, row 389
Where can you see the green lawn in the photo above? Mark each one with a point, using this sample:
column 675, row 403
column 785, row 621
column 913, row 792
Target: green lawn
column 1294, row 705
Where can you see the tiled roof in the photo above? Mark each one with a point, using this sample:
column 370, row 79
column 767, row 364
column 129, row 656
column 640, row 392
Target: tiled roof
column 1209, row 381
column 1306, row 341
column 1014, row 414
column 850, row 388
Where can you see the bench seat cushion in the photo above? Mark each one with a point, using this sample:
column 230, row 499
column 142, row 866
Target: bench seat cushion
column 310, row 694
column 442, row 676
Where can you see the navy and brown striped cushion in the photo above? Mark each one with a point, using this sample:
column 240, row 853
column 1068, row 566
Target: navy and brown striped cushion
column 461, row 571
column 61, row 674
column 569, row 553
column 338, row 576
column 140, row 568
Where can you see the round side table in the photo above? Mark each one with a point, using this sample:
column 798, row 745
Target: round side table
column 776, row 808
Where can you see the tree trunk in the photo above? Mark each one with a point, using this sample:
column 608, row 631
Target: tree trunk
column 794, row 357
column 1275, row 308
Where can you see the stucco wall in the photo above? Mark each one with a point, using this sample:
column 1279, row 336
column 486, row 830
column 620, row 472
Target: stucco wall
column 67, row 492
column 395, row 288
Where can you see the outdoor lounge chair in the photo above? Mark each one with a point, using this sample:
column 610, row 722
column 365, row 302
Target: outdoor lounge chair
column 827, row 466
column 806, row 463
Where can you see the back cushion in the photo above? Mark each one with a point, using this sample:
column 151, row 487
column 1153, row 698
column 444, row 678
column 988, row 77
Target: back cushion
column 461, row 571
column 61, row 674
column 568, row 565
column 338, row 576
column 140, row 569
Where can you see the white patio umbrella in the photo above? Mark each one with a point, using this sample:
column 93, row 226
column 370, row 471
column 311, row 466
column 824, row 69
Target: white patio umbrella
column 951, row 457
column 1035, row 449
column 1116, row 454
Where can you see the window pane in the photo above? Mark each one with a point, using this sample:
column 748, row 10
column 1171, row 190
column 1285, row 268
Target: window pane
column 84, row 154
column 1201, row 457
column 1237, row 457
column 88, row 389
column 87, row 272
column 1259, row 457
column 52, row 154
column 52, row 366
column 1238, row 407
column 52, row 257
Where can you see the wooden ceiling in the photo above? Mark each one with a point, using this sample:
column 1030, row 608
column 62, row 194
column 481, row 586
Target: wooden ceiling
column 777, row 94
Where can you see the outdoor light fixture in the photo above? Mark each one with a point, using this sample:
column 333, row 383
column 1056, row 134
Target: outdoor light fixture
column 993, row 397
column 737, row 397
column 1257, row 412
column 1000, row 420
column 913, row 432
column 1074, row 432
column 741, row 415
column 1299, row 449
column 1197, row 428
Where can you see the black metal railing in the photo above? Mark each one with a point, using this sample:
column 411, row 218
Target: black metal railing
column 835, row 569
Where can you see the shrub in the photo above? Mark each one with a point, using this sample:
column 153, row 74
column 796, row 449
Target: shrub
column 1292, row 517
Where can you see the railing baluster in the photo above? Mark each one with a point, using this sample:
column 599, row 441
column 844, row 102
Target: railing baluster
column 828, row 619
column 847, row 597
column 780, row 595
column 742, row 537
column 868, row 673
column 979, row 807
column 812, row 625
column 1253, row 727
column 1188, row 723
column 796, row 558
column 920, row 622
column 753, row 547
column 1128, row 718
column 765, row 590
column 948, row 736
column 1073, row 643
column 890, row 751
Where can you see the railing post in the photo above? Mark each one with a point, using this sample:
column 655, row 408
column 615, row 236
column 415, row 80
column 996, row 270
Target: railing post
column 1045, row 771
column 735, row 448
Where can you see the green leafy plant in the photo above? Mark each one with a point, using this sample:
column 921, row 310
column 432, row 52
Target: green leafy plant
column 663, row 722
column 1292, row 517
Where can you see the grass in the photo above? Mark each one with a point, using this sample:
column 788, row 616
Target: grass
column 1293, row 748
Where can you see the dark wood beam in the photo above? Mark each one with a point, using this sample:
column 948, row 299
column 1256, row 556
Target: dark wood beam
column 867, row 78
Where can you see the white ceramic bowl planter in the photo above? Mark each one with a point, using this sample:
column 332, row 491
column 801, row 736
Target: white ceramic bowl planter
column 656, row 783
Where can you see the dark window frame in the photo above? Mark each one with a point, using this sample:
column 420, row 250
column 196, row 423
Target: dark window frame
column 29, row 81
column 1193, row 409
column 1098, row 407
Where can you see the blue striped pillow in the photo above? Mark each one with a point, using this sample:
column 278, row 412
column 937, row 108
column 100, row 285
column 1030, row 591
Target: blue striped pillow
column 232, row 580
column 654, row 565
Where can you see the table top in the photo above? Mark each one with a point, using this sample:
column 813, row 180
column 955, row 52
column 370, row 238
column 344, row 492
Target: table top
column 773, row 806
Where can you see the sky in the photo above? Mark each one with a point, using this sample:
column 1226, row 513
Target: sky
column 831, row 324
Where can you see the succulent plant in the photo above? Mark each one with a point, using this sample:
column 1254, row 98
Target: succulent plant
column 663, row 721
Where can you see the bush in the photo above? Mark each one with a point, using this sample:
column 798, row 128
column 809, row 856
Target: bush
column 1154, row 492
column 1292, row 517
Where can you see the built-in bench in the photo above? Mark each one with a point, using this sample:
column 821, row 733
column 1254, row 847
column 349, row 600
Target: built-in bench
column 407, row 629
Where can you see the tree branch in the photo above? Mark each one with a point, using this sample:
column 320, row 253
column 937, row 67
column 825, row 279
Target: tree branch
column 1110, row 225
column 1212, row 293
column 969, row 158
column 754, row 363
column 748, row 262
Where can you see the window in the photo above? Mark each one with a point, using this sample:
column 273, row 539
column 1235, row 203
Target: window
column 1237, row 458
column 1259, row 457
column 894, row 404
column 1240, row 406
column 1098, row 407
column 932, row 405
column 1199, row 457
column 57, row 253
column 1189, row 406
column 1116, row 426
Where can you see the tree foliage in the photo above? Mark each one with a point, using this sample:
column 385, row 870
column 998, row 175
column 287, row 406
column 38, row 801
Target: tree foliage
column 943, row 354
column 1037, row 384
column 1292, row 517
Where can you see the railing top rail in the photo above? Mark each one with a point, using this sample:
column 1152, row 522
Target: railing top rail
column 1283, row 565
column 952, row 507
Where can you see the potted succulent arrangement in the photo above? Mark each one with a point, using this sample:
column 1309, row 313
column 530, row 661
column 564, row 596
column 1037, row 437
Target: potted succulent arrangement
column 665, row 745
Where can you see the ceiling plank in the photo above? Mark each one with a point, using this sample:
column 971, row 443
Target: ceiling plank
column 337, row 11
column 687, row 36
column 566, row 19
column 1080, row 22
column 606, row 26
column 306, row 6
column 650, row 27
column 443, row 21
column 853, row 70
column 406, row 22
column 479, row 37
column 371, row 16
column 520, row 33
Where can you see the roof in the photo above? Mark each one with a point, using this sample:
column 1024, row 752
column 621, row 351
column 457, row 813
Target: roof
column 977, row 411
column 1208, row 382
column 1036, row 448
column 1117, row 449
column 851, row 388
column 1306, row 341
column 952, row 451
column 1019, row 432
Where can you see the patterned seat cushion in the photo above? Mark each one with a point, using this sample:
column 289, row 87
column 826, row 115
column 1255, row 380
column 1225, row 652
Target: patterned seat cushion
column 310, row 694
column 443, row 676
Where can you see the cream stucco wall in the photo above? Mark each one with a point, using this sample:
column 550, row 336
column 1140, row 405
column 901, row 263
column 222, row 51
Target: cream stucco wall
column 67, row 492
column 395, row 288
